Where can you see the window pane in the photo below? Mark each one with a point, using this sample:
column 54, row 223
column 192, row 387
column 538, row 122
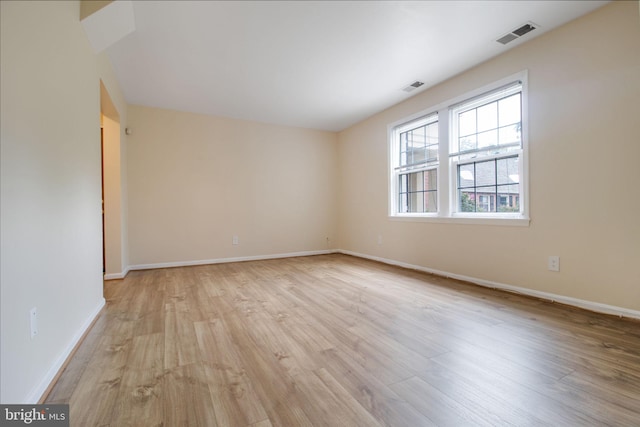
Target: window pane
column 432, row 133
column 409, row 156
column 485, row 173
column 513, row 189
column 419, row 155
column 467, row 123
column 485, row 202
column 490, row 125
column 488, row 139
column 419, row 145
column 494, row 189
column 403, row 142
column 430, row 202
column 467, row 201
column 403, row 207
column 509, row 198
column 430, row 178
column 418, row 192
column 488, row 117
column 466, row 176
column 432, row 141
column 403, row 183
column 417, row 181
column 415, row 202
column 509, row 110
column 418, row 137
column 510, row 134
column 432, row 153
column 507, row 171
column 468, row 143
column 403, row 158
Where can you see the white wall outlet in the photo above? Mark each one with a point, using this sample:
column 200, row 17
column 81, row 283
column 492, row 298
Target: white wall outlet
column 33, row 322
column 554, row 263
column 379, row 239
column 235, row 240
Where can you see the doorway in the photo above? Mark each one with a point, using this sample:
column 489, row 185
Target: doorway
column 104, row 263
column 112, row 216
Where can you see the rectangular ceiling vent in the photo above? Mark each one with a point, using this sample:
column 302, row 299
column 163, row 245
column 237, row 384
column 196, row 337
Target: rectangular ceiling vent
column 517, row 33
column 413, row 86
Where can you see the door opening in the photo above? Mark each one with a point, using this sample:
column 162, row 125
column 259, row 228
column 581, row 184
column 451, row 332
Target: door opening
column 104, row 257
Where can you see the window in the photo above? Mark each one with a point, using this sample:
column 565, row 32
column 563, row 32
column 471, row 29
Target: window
column 418, row 191
column 415, row 173
column 464, row 160
column 485, row 148
column 494, row 182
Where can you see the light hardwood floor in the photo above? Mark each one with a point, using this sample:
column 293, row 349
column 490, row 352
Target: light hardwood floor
column 335, row 340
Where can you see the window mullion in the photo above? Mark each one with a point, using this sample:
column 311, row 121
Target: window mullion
column 495, row 174
column 443, row 182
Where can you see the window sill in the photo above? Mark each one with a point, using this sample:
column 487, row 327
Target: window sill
column 513, row 221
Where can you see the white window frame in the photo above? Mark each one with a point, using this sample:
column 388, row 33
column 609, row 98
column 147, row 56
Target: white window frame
column 397, row 170
column 447, row 167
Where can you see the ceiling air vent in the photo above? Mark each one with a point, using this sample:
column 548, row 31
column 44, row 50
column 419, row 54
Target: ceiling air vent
column 517, row 33
column 413, row 86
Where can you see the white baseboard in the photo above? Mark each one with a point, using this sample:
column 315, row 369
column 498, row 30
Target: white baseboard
column 226, row 260
column 116, row 276
column 36, row 393
column 575, row 302
column 587, row 305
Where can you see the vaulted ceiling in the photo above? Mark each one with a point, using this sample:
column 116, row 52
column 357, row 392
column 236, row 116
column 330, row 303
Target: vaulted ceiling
column 313, row 64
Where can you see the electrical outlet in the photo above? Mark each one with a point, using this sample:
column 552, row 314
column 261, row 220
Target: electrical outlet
column 379, row 239
column 33, row 322
column 554, row 263
column 235, row 240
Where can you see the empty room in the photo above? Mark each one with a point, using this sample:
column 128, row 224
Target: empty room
column 320, row 213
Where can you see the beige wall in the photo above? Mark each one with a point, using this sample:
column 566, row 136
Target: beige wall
column 188, row 182
column 195, row 181
column 51, row 242
column 584, row 105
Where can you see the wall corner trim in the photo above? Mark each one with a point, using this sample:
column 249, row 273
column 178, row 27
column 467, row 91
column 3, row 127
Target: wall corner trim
column 574, row 302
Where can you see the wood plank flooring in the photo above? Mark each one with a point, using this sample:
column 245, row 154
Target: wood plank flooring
column 334, row 340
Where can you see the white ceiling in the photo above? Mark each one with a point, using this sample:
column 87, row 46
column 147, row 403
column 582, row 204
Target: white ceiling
column 312, row 64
